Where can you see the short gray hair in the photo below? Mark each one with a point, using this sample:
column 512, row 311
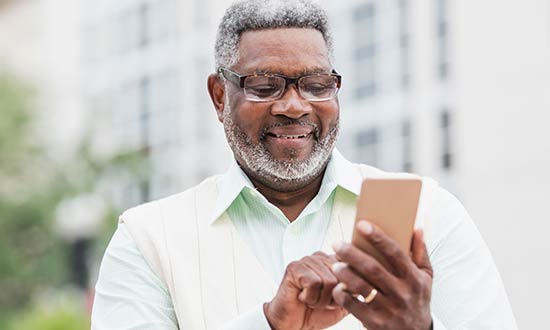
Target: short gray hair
column 247, row 15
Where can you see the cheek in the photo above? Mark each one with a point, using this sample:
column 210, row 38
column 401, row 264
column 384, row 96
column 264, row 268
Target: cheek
column 248, row 118
column 328, row 116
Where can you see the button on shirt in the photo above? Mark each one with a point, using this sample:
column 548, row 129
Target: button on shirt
column 462, row 263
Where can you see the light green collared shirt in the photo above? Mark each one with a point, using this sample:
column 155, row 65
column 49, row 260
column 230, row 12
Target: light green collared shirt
column 467, row 289
column 274, row 239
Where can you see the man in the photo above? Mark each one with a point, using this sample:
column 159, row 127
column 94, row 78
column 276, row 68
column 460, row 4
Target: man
column 263, row 246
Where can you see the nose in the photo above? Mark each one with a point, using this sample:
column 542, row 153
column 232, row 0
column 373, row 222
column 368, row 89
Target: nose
column 291, row 104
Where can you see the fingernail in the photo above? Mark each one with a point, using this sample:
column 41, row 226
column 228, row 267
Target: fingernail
column 337, row 293
column 337, row 246
column 341, row 287
column 365, row 227
column 337, row 266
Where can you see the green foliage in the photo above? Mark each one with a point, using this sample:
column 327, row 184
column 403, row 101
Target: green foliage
column 33, row 258
column 15, row 112
column 59, row 320
column 30, row 255
column 16, row 147
column 67, row 313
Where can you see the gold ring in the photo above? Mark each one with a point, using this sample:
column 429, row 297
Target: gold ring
column 368, row 299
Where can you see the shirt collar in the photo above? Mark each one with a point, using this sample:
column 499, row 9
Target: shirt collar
column 340, row 172
column 229, row 187
column 346, row 174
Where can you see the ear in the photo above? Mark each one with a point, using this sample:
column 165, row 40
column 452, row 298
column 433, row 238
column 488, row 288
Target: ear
column 216, row 89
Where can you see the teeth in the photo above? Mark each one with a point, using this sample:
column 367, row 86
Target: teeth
column 290, row 136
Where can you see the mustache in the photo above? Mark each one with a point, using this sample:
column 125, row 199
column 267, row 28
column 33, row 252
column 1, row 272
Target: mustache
column 289, row 122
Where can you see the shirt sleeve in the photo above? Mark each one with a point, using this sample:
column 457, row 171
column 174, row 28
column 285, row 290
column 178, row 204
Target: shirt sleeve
column 437, row 325
column 252, row 320
column 468, row 293
column 129, row 295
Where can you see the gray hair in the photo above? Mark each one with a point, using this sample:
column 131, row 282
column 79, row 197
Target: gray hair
column 246, row 15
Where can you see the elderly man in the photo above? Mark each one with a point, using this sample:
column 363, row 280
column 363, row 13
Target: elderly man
column 264, row 245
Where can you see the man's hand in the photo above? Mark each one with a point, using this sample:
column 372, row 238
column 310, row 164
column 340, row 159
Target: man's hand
column 304, row 299
column 404, row 291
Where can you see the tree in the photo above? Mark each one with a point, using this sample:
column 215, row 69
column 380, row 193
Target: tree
column 30, row 255
column 33, row 257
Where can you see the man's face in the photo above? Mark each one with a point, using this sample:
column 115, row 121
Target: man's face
column 286, row 143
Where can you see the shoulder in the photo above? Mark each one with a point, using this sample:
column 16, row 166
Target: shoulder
column 155, row 211
column 430, row 186
column 149, row 224
column 351, row 175
column 446, row 214
column 440, row 213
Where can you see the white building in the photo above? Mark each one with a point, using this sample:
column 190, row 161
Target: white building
column 146, row 66
column 460, row 91
column 39, row 44
column 457, row 90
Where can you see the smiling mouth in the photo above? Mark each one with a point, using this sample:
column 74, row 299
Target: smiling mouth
column 294, row 130
column 288, row 136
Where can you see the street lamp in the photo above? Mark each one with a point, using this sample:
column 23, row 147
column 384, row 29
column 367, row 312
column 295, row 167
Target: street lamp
column 78, row 221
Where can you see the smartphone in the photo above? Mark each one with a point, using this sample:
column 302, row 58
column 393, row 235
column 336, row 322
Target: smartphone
column 390, row 204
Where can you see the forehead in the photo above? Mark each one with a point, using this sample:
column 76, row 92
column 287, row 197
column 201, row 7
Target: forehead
column 288, row 51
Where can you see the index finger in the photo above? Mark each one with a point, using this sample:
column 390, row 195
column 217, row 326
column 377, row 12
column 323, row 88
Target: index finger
column 327, row 259
column 398, row 260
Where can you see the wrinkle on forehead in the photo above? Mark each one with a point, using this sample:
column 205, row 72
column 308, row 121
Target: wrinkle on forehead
column 305, row 71
column 298, row 50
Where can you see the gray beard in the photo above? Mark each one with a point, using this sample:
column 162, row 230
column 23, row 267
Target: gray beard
column 287, row 175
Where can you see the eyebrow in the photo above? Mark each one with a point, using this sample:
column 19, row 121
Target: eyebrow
column 312, row 70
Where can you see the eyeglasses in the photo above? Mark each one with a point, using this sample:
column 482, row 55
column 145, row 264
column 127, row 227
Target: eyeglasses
column 264, row 87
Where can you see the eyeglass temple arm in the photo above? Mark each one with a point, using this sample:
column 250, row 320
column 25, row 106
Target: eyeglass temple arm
column 229, row 75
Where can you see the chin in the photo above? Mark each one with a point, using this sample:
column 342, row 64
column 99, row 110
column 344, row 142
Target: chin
column 278, row 163
column 292, row 156
column 286, row 184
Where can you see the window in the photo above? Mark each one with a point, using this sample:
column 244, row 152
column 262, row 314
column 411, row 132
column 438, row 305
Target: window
column 365, row 50
column 162, row 20
column 128, row 30
column 202, row 16
column 367, row 143
column 144, row 24
column 406, row 146
column 446, row 147
column 165, row 120
column 125, row 117
column 442, row 39
column 144, row 112
column 145, row 119
column 404, row 42
column 164, row 184
column 159, row 115
column 145, row 191
column 131, row 115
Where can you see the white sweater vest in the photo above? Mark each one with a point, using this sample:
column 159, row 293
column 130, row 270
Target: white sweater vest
column 211, row 274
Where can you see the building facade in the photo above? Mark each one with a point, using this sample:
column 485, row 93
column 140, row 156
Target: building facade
column 443, row 88
column 456, row 90
column 459, row 91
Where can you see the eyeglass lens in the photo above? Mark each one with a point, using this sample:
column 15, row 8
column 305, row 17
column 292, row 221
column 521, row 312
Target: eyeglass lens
column 315, row 87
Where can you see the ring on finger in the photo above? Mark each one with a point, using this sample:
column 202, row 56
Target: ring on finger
column 369, row 298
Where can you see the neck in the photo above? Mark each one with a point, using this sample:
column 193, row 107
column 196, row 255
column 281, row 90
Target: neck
column 293, row 202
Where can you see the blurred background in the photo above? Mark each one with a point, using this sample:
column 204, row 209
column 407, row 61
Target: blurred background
column 103, row 105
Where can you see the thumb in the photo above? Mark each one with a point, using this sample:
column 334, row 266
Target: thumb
column 420, row 253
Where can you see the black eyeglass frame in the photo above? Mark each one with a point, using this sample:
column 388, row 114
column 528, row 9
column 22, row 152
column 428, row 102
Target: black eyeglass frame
column 239, row 79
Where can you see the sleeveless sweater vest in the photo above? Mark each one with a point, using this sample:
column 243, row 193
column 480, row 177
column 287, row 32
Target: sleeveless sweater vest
column 210, row 272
